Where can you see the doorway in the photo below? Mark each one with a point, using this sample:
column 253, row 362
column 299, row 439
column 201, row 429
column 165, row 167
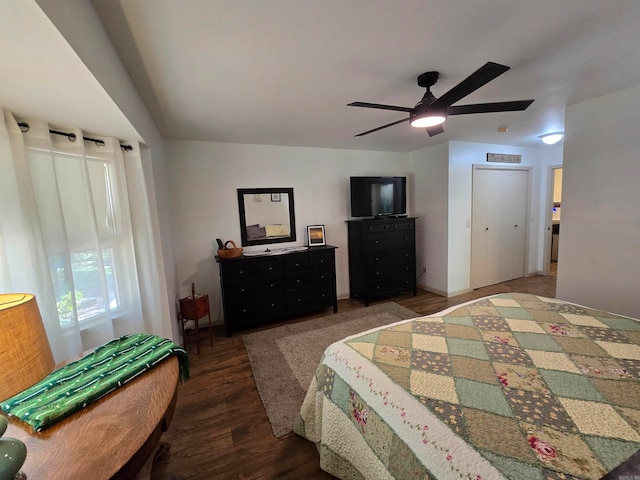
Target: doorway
column 552, row 220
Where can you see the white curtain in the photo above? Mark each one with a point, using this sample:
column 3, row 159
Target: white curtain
column 66, row 233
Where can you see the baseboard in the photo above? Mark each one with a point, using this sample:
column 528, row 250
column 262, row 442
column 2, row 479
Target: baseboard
column 442, row 293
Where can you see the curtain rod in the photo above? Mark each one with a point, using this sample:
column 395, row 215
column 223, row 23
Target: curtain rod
column 24, row 127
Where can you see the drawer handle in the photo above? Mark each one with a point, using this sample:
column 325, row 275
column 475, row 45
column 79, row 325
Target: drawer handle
column 377, row 259
column 273, row 304
column 297, row 264
column 241, row 272
column 271, row 285
column 242, row 290
column 376, row 242
column 298, row 281
column 322, row 277
column 299, row 300
column 322, row 261
column 244, row 310
column 270, row 268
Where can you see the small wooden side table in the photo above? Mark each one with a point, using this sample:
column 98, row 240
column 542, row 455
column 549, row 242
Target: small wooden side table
column 194, row 308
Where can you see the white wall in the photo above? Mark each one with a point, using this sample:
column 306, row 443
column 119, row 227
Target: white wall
column 429, row 198
column 599, row 257
column 204, row 178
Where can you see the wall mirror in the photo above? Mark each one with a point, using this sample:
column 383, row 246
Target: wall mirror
column 266, row 215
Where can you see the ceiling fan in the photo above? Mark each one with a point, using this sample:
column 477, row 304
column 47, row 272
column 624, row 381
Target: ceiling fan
column 432, row 112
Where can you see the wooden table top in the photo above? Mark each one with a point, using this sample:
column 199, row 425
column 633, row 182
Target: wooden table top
column 98, row 441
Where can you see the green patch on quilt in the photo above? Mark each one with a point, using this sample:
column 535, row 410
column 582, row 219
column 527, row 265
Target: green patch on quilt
column 403, row 463
column 512, row 468
column 621, row 323
column 536, row 341
column 610, row 451
column 571, row 385
column 461, row 320
column 515, row 312
column 482, row 396
column 467, row 348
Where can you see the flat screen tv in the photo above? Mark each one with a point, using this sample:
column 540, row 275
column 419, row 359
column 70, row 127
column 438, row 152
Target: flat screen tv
column 378, row 196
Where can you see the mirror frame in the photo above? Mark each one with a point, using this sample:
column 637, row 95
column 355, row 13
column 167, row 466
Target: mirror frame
column 243, row 222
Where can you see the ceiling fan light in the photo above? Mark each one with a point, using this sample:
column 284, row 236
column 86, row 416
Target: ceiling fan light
column 428, row 121
column 552, row 138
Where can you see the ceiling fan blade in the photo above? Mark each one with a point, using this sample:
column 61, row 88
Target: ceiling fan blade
column 435, row 130
column 380, row 106
column 477, row 79
column 514, row 106
column 380, row 128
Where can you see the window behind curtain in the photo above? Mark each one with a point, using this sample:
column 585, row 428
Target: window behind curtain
column 82, row 222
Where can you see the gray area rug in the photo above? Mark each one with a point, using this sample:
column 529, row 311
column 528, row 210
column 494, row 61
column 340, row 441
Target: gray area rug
column 284, row 359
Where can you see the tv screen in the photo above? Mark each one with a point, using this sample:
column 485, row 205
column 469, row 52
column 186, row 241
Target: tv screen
column 378, row 196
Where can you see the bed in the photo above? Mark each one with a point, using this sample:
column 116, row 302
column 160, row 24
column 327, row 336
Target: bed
column 510, row 386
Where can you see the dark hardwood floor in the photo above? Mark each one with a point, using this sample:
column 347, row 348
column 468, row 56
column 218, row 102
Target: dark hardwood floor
column 220, row 429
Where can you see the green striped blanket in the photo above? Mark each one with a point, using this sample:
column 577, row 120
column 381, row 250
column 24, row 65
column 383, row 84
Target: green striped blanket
column 77, row 384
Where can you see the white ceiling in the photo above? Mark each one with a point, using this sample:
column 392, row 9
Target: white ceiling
column 280, row 72
column 42, row 77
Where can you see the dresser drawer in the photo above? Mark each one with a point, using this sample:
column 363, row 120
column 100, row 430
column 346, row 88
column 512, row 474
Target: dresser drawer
column 308, row 278
column 269, row 266
column 377, row 227
column 403, row 225
column 390, row 279
column 390, row 241
column 321, row 260
column 390, row 257
column 254, row 288
column 241, row 270
column 237, row 270
column 396, row 225
column 309, row 297
column 296, row 263
column 255, row 308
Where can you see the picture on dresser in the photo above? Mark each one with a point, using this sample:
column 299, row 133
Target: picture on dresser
column 315, row 235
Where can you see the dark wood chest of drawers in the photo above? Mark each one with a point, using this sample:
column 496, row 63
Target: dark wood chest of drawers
column 258, row 290
column 382, row 257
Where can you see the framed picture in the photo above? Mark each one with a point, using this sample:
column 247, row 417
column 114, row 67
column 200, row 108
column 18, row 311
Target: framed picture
column 315, row 234
column 275, row 197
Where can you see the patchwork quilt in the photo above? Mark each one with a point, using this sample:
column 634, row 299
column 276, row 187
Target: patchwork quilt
column 511, row 386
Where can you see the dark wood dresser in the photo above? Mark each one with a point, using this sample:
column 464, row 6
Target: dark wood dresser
column 257, row 290
column 382, row 257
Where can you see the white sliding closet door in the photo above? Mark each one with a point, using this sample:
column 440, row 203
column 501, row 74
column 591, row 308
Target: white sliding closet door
column 499, row 224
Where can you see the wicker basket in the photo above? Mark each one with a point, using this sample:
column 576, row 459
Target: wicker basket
column 227, row 252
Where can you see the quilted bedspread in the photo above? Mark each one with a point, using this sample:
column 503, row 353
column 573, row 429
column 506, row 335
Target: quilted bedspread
column 510, row 386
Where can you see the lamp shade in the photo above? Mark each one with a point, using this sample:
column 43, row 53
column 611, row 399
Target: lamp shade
column 25, row 354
